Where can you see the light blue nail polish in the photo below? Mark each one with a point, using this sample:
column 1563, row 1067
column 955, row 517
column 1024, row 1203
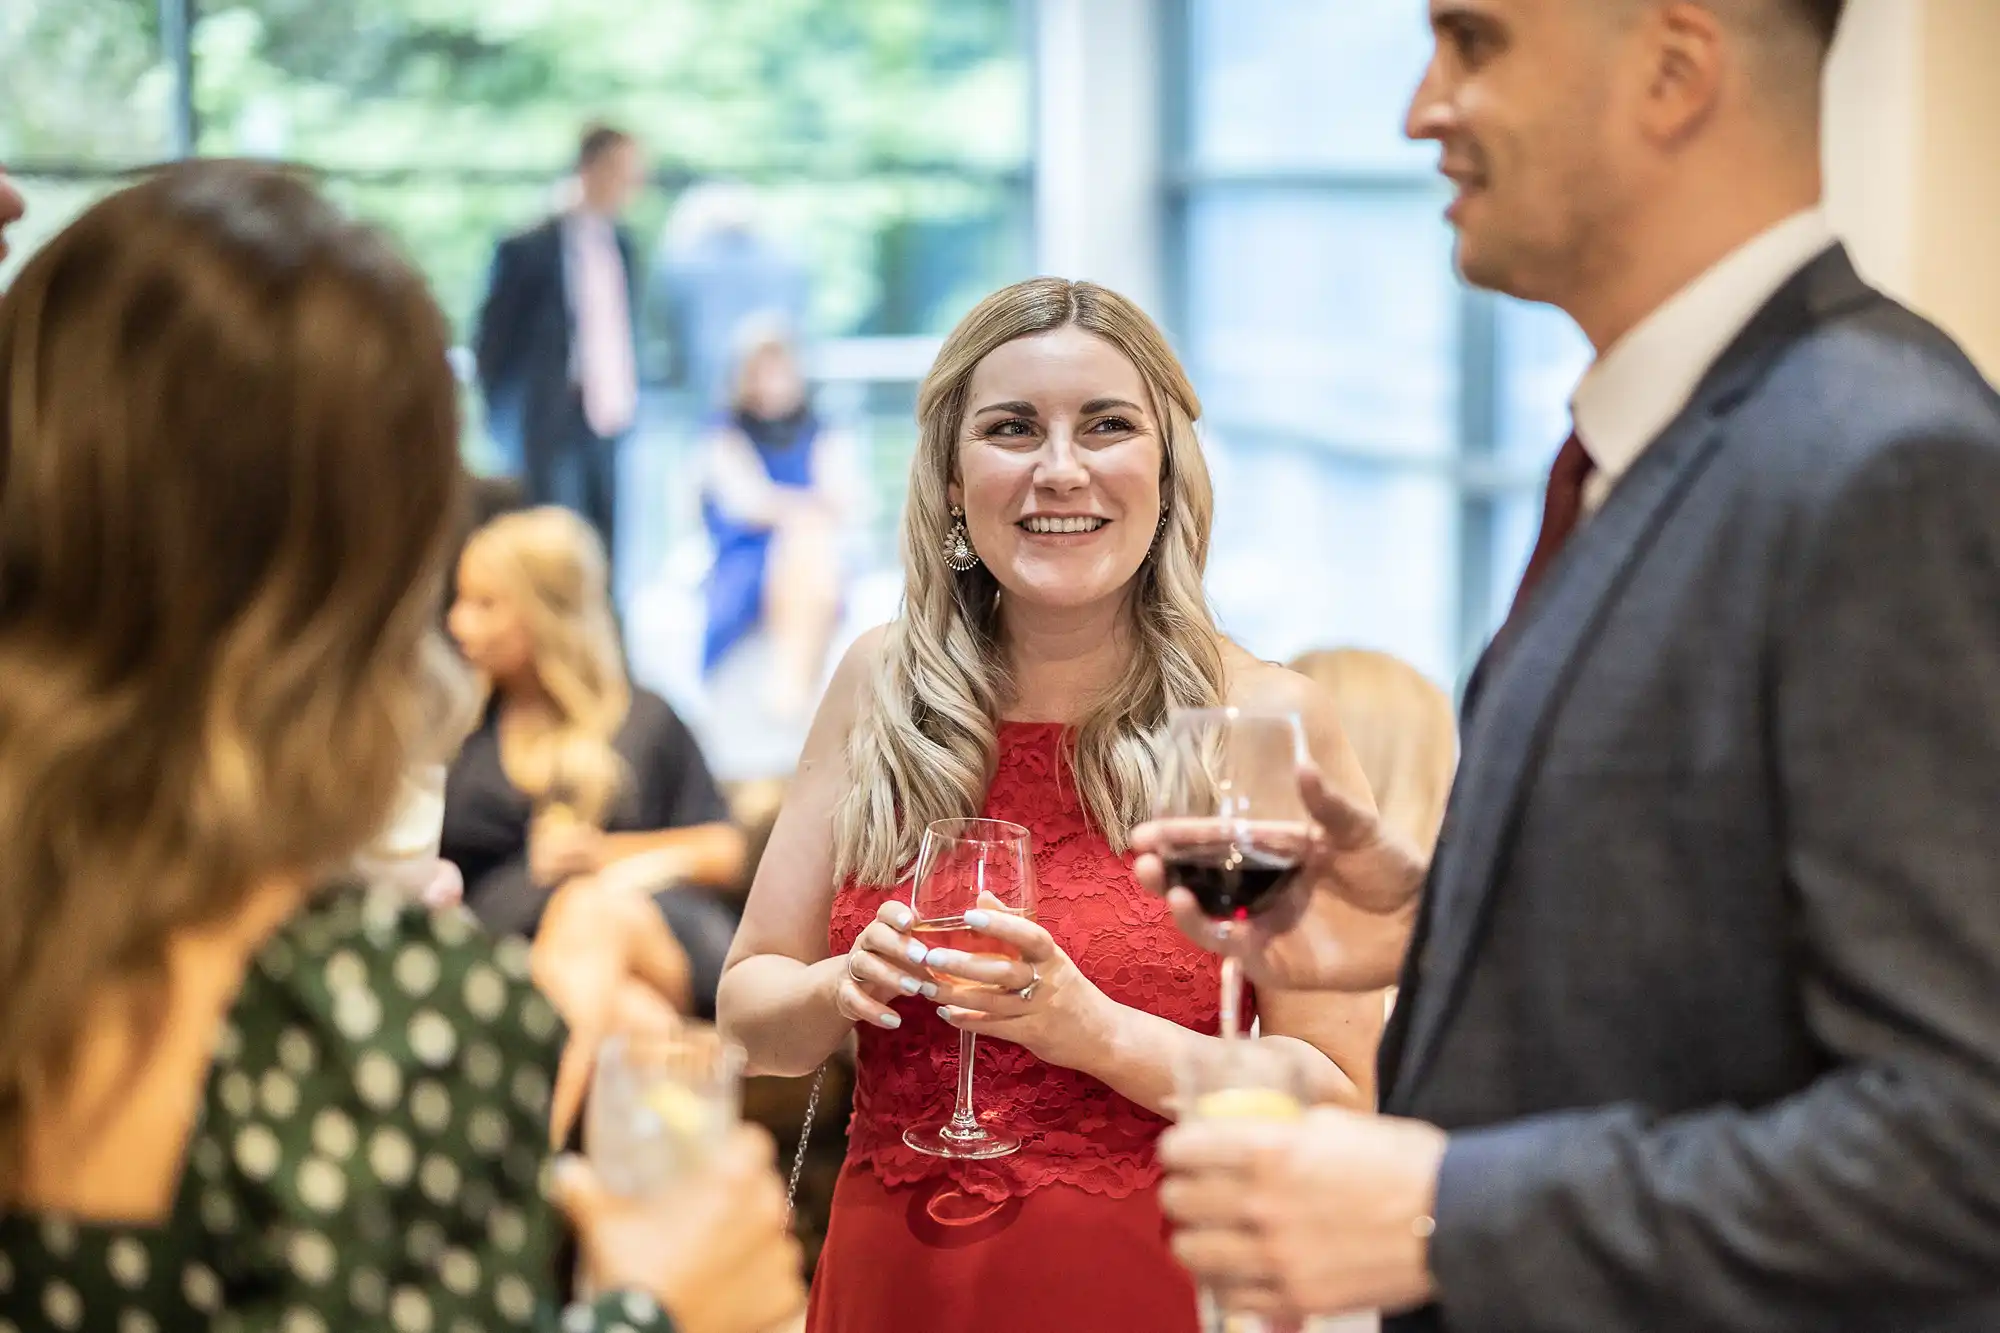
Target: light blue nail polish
column 944, row 1013
column 916, row 951
column 944, row 958
column 892, row 1020
column 930, row 990
column 910, row 985
column 978, row 918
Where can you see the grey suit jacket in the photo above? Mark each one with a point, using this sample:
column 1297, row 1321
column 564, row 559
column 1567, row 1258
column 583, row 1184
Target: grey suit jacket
column 1707, row 978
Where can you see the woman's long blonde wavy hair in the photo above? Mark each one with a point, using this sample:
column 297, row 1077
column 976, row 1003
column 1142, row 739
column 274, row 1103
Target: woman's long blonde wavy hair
column 228, row 476
column 551, row 564
column 923, row 746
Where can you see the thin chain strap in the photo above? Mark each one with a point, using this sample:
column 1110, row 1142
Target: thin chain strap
column 805, row 1141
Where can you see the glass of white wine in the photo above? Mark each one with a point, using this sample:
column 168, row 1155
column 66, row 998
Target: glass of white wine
column 963, row 864
column 662, row 1104
column 1238, row 1080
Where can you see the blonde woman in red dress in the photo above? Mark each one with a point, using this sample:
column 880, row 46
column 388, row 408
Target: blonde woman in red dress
column 1054, row 539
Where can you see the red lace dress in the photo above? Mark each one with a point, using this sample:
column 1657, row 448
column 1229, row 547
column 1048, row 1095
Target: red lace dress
column 1065, row 1235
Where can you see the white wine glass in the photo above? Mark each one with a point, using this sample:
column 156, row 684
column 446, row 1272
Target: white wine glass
column 963, row 864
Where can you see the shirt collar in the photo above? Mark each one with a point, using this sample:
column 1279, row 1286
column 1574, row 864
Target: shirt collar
column 1637, row 387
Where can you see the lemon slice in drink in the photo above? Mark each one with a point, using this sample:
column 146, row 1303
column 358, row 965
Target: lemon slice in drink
column 1248, row 1104
column 679, row 1107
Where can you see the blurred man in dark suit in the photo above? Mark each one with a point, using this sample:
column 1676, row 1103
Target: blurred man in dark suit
column 556, row 340
column 1699, row 1029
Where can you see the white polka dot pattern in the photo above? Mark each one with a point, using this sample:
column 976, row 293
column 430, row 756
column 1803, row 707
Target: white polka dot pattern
column 296, row 1051
column 62, row 1304
column 333, row 1134
column 312, row 1257
column 417, row 971
column 127, row 1260
column 410, row 1311
column 367, row 1156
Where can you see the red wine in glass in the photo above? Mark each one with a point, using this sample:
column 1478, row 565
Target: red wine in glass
column 1231, row 882
column 1232, row 825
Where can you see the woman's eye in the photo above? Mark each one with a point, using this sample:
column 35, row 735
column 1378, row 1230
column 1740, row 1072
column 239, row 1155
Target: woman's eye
column 1008, row 430
column 1112, row 426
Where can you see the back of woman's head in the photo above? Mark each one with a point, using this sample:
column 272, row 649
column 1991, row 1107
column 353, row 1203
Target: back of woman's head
column 228, row 471
column 1402, row 731
column 551, row 566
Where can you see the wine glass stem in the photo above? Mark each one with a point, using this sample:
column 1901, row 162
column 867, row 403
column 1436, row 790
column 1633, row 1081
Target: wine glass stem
column 1232, row 995
column 964, row 1125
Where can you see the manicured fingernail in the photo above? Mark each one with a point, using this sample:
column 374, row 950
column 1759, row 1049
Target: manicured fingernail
column 930, row 990
column 901, row 917
column 916, row 952
column 978, row 918
column 944, row 1013
column 910, row 985
column 944, row 958
column 891, row 1020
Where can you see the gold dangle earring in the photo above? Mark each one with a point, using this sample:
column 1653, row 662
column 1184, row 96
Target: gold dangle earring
column 958, row 552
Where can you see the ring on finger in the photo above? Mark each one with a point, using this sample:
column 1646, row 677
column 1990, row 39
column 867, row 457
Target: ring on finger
column 1027, row 992
column 852, row 975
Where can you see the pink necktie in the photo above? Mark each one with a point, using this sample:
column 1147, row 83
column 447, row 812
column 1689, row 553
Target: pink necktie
column 609, row 379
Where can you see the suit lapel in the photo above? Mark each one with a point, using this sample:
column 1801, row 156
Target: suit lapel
column 1527, row 672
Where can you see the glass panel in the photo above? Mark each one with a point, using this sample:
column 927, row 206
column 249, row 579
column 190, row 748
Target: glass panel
column 711, row 85
column 1517, row 517
column 1323, row 315
column 1542, row 355
column 453, row 123
column 1312, row 551
column 84, row 82
column 52, row 204
column 1306, row 83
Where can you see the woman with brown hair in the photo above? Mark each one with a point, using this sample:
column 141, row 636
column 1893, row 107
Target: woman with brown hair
column 1054, row 540
column 233, row 1093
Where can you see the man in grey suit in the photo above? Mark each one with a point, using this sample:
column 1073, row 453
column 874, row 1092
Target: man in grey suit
column 1700, row 1019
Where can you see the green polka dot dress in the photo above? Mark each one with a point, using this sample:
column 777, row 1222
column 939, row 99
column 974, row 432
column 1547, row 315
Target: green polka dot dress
column 370, row 1155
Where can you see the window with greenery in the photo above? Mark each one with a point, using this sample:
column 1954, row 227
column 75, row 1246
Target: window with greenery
column 1379, row 431
column 84, row 96
column 879, row 125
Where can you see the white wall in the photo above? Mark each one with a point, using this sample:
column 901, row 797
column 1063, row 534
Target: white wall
column 1874, row 127
column 1913, row 158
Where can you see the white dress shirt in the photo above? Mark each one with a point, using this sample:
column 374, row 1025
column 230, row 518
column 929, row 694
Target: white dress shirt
column 1635, row 389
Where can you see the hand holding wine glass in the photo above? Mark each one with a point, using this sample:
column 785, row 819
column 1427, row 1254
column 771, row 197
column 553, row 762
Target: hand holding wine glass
column 884, row 966
column 1231, row 826
column 1008, row 978
column 969, row 866
column 1341, row 923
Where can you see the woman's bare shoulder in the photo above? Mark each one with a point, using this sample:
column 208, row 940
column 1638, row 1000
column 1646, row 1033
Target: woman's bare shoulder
column 1255, row 683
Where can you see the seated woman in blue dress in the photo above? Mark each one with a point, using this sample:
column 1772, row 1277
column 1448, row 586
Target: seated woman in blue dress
column 779, row 488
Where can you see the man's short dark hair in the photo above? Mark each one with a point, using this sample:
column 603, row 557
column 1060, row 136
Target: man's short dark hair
column 597, row 141
column 1824, row 16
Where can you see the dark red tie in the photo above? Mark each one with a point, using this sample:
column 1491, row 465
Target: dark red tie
column 1562, row 506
